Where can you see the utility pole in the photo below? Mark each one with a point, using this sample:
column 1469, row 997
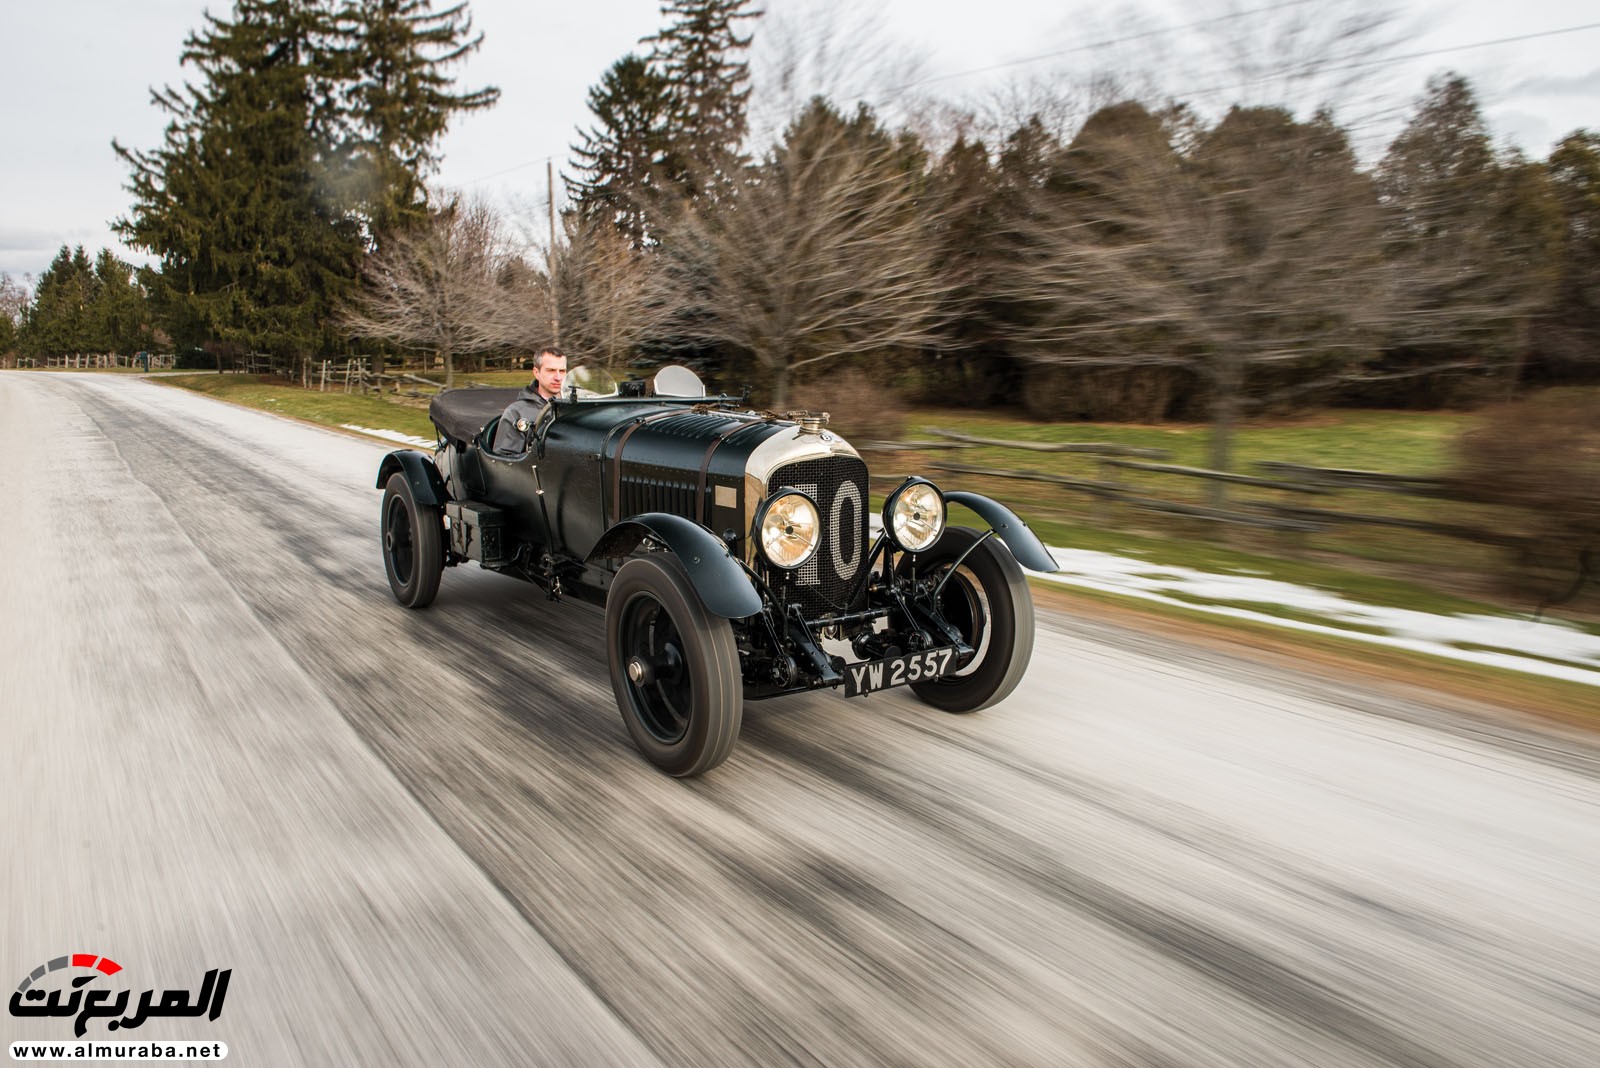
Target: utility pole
column 550, row 260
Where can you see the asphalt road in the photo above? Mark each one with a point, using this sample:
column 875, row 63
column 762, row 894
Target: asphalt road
column 424, row 838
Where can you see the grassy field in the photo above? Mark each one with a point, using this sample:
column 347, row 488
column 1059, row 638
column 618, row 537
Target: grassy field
column 407, row 415
column 1404, row 443
column 1401, row 442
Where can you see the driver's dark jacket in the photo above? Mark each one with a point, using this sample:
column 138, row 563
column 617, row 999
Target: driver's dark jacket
column 526, row 408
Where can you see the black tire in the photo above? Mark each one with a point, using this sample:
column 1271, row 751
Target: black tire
column 413, row 544
column 684, row 699
column 988, row 601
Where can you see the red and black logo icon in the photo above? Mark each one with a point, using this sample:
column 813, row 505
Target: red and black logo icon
column 34, row 997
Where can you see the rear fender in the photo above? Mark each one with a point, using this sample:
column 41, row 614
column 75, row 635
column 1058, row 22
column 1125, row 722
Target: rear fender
column 1023, row 543
column 723, row 587
column 427, row 485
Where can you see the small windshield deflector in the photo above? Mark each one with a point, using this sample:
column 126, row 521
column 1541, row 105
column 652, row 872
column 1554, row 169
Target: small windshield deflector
column 678, row 381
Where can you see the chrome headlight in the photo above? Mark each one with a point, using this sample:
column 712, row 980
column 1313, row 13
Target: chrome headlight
column 913, row 516
column 788, row 529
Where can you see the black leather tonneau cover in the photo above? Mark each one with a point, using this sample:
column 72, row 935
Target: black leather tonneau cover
column 461, row 413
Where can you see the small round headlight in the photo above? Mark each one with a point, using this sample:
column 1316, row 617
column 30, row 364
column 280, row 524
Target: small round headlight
column 913, row 516
column 789, row 529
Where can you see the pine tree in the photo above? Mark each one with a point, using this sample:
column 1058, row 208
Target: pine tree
column 1471, row 239
column 669, row 123
column 59, row 321
column 698, row 55
column 305, row 138
column 119, row 318
column 391, row 57
column 625, row 156
column 1568, row 335
column 239, row 202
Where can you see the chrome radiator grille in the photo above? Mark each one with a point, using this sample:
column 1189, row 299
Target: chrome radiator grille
column 839, row 486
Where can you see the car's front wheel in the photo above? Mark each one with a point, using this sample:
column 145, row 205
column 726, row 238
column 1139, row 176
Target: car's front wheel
column 987, row 600
column 413, row 544
column 674, row 667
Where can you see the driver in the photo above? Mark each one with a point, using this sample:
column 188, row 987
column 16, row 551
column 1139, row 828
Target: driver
column 549, row 371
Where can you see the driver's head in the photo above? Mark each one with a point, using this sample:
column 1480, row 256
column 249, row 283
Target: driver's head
column 549, row 371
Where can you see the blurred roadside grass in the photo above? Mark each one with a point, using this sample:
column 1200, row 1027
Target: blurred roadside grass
column 1390, row 565
column 1367, row 565
column 333, row 408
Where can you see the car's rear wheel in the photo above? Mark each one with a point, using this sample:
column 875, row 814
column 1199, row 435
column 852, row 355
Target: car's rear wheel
column 413, row 544
column 674, row 667
column 988, row 602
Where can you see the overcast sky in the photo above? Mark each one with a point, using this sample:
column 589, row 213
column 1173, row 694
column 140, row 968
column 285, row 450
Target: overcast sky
column 74, row 74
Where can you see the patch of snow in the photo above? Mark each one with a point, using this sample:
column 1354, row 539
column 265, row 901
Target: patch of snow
column 1501, row 641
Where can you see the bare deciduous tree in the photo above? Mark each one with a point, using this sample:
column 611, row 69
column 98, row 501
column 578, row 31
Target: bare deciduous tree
column 1253, row 265
column 452, row 287
column 820, row 252
column 829, row 49
column 610, row 296
column 14, row 300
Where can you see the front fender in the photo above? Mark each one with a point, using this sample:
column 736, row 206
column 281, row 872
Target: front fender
column 1023, row 543
column 723, row 587
column 427, row 485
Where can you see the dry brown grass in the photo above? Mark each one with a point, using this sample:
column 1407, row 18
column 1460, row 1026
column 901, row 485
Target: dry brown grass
column 860, row 407
column 1541, row 457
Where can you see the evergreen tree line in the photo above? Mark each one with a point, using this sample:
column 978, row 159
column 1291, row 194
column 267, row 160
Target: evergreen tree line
column 78, row 306
column 300, row 148
column 1153, row 264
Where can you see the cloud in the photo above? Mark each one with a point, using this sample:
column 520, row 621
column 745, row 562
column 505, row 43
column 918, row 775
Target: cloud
column 28, row 250
column 1560, row 85
column 1529, row 132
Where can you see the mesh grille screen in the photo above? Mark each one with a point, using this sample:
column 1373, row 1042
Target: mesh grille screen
column 839, row 486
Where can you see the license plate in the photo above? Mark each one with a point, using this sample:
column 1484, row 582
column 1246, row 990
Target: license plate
column 897, row 670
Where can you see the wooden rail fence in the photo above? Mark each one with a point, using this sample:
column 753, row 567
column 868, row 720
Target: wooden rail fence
column 1111, row 489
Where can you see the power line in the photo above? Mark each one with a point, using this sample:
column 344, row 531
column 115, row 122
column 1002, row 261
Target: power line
column 1097, row 45
column 510, row 170
column 1385, row 61
column 1003, row 66
column 1468, row 47
column 1409, row 56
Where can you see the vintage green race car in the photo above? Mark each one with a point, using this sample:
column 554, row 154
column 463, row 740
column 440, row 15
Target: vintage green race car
column 732, row 550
